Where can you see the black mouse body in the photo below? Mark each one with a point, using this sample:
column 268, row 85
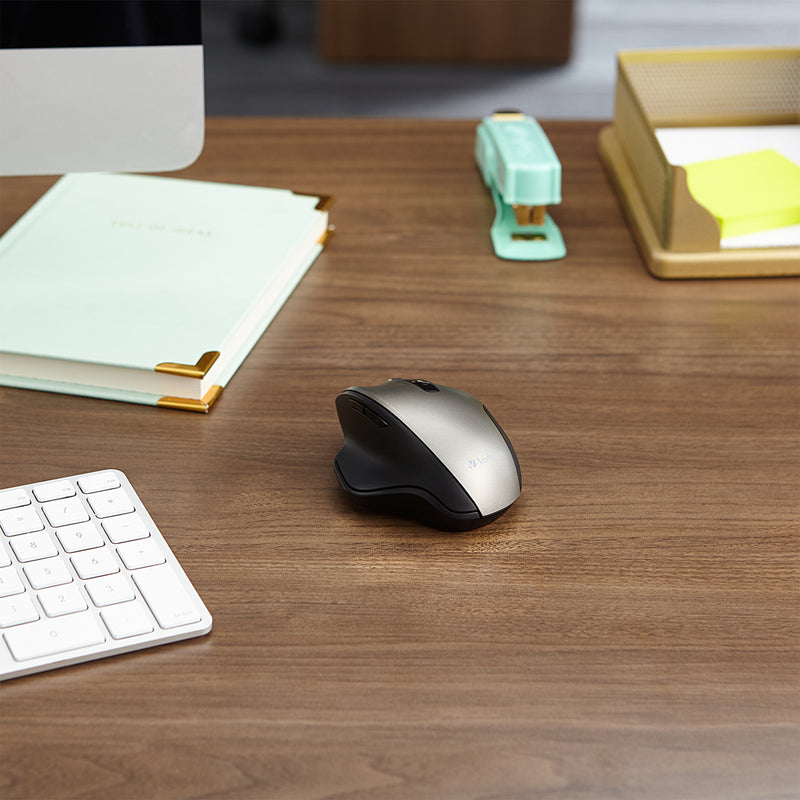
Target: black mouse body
column 425, row 451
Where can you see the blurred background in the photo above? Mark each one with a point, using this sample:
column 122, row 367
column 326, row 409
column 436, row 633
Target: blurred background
column 553, row 59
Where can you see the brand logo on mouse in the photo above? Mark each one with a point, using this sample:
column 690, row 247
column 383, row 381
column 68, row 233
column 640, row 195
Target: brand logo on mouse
column 479, row 461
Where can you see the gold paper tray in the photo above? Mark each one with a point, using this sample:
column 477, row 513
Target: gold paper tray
column 687, row 88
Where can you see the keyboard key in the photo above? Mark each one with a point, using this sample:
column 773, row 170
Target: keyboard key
column 5, row 558
column 17, row 610
column 142, row 553
column 94, row 563
column 109, row 590
column 33, row 546
column 126, row 620
column 49, row 572
column 98, row 482
column 167, row 599
column 80, row 537
column 65, row 512
column 125, row 528
column 51, row 636
column 12, row 498
column 62, row 600
column 20, row 520
column 56, row 490
column 110, row 504
column 10, row 582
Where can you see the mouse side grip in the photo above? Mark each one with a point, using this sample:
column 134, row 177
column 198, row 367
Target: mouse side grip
column 390, row 458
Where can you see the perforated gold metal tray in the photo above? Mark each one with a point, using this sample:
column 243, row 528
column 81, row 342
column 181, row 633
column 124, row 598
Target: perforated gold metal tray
column 693, row 88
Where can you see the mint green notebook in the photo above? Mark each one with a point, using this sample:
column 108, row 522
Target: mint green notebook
column 148, row 289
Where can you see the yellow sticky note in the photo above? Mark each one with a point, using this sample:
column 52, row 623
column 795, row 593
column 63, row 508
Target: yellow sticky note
column 748, row 193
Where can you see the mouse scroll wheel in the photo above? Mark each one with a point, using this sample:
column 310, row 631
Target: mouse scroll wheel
column 426, row 386
column 368, row 413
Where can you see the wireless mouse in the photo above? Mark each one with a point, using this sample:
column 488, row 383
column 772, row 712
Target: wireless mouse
column 425, row 451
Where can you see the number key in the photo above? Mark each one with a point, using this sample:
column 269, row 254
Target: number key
column 94, row 563
column 109, row 590
column 33, row 546
column 10, row 582
column 53, row 636
column 16, row 611
column 79, row 537
column 49, row 572
column 61, row 600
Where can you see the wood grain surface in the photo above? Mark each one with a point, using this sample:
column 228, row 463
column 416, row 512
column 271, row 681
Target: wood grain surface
column 629, row 629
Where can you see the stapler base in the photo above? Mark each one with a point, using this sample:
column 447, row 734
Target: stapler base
column 524, row 243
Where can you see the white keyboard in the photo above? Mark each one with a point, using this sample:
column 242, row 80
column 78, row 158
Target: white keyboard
column 85, row 573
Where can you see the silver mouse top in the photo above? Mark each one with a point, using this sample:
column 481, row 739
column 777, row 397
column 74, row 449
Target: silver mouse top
column 460, row 432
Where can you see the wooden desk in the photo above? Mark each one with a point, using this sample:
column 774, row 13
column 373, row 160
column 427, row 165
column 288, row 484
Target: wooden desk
column 627, row 630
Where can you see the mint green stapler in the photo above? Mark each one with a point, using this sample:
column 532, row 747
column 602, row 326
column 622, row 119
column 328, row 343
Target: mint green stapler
column 521, row 169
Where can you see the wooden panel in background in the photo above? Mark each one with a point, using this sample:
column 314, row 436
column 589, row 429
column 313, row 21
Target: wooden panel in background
column 445, row 31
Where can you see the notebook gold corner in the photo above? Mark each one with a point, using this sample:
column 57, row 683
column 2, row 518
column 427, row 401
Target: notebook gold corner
column 190, row 404
column 197, row 370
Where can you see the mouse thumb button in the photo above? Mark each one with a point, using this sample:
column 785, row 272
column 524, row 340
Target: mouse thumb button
column 372, row 416
column 360, row 408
